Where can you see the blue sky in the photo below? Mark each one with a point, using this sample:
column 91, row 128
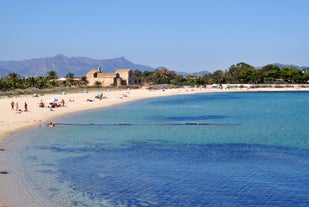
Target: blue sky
column 189, row 36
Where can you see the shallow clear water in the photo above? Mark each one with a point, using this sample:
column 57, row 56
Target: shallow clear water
column 213, row 149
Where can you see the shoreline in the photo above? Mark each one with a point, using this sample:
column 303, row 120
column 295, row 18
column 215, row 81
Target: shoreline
column 12, row 121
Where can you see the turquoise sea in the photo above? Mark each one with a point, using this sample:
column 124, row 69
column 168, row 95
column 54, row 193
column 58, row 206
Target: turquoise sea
column 212, row 149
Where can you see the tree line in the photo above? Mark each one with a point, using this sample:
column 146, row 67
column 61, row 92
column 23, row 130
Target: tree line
column 14, row 81
column 240, row 73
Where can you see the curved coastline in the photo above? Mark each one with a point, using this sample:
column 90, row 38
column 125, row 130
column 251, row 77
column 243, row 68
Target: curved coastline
column 12, row 121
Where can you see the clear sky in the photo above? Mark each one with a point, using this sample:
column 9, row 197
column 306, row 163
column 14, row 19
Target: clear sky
column 182, row 35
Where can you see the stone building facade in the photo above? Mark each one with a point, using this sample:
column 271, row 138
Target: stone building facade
column 121, row 77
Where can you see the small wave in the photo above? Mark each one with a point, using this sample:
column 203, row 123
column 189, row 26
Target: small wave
column 147, row 124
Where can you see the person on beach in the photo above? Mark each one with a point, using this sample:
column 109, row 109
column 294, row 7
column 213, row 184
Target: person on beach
column 16, row 106
column 41, row 104
column 26, row 106
column 12, row 105
column 62, row 102
column 51, row 124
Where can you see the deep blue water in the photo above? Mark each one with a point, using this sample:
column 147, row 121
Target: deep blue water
column 214, row 149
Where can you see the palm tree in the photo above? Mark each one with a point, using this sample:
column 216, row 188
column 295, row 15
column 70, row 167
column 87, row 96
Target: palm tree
column 13, row 76
column 70, row 75
column 69, row 82
column 4, row 84
column 13, row 80
column 51, row 75
column 83, row 80
column 31, row 81
column 41, row 82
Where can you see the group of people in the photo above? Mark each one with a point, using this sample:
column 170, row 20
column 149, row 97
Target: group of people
column 55, row 104
column 52, row 104
column 15, row 106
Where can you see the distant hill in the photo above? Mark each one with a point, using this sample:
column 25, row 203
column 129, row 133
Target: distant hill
column 79, row 66
column 63, row 65
column 201, row 73
column 290, row 66
column 4, row 72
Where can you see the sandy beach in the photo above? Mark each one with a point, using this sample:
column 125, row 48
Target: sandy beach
column 13, row 120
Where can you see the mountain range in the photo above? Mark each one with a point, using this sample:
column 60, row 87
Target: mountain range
column 79, row 66
column 291, row 66
column 63, row 65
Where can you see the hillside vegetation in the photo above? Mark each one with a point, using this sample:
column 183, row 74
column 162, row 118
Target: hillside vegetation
column 241, row 73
